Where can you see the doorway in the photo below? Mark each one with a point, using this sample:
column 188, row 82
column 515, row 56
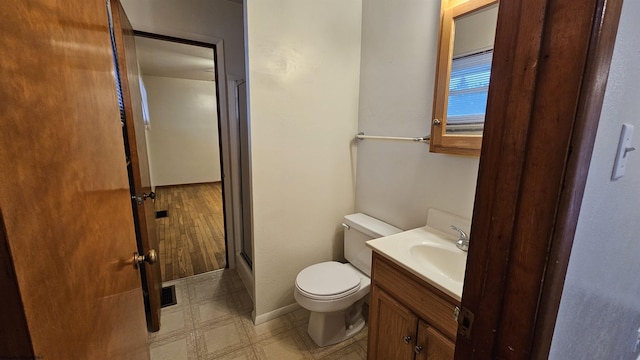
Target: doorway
column 182, row 126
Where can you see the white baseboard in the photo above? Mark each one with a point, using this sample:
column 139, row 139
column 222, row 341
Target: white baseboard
column 275, row 313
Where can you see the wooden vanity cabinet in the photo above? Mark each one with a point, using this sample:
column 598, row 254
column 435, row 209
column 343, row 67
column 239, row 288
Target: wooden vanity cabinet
column 408, row 318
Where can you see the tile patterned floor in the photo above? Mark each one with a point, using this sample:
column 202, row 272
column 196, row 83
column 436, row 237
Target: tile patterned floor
column 212, row 320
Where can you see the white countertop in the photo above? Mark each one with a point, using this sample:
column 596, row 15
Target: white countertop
column 398, row 248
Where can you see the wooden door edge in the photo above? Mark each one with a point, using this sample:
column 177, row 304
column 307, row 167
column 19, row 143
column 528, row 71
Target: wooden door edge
column 150, row 275
column 508, row 262
column 586, row 124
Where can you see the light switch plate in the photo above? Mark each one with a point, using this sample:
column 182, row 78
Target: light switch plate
column 624, row 148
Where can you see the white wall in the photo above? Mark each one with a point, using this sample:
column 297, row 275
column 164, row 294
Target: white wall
column 599, row 312
column 219, row 19
column 398, row 181
column 183, row 136
column 303, row 65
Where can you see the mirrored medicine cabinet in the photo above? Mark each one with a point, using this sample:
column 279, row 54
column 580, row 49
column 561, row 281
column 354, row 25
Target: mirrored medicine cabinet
column 463, row 71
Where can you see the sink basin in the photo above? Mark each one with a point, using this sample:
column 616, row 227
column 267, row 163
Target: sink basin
column 448, row 261
column 429, row 254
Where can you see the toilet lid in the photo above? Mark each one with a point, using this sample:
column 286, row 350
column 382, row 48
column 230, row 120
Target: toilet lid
column 328, row 280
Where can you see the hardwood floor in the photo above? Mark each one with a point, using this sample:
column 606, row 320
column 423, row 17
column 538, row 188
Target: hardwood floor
column 192, row 235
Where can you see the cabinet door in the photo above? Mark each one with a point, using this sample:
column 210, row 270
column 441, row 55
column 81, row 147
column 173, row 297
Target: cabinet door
column 392, row 330
column 434, row 345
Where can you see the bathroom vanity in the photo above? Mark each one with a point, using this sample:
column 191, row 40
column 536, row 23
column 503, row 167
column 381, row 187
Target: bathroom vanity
column 408, row 318
column 416, row 287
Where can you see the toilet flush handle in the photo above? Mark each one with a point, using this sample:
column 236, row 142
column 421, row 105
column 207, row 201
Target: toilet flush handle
column 346, row 226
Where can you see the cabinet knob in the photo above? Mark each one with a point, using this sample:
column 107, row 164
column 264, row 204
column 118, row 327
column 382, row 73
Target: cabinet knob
column 418, row 349
column 406, row 339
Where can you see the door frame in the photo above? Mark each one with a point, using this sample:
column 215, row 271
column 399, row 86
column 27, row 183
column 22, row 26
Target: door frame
column 552, row 59
column 225, row 139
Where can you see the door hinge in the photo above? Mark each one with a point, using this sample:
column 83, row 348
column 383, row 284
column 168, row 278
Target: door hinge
column 464, row 317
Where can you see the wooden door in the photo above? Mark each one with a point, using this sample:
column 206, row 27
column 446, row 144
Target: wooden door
column 144, row 211
column 68, row 234
column 396, row 338
column 549, row 73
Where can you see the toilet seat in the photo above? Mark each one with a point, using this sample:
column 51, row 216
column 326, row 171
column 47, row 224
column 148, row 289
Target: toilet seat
column 328, row 281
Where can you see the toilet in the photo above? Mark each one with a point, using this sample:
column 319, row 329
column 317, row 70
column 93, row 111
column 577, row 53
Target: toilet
column 334, row 292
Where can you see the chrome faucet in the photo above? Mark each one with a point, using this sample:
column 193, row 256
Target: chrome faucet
column 463, row 241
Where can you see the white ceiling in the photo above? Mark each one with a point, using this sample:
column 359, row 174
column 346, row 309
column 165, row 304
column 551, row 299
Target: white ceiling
column 175, row 60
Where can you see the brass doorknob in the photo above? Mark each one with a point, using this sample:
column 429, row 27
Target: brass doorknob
column 151, row 258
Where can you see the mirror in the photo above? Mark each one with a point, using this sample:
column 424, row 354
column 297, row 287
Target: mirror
column 467, row 33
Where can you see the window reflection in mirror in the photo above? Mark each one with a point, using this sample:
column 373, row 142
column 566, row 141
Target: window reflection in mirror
column 463, row 72
column 470, row 71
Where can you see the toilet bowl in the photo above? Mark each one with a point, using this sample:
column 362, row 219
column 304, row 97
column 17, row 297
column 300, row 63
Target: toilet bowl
column 335, row 292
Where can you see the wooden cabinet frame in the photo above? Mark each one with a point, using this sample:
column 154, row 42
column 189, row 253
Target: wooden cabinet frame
column 424, row 313
column 441, row 142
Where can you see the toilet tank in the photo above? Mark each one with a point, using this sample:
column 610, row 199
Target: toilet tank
column 360, row 229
